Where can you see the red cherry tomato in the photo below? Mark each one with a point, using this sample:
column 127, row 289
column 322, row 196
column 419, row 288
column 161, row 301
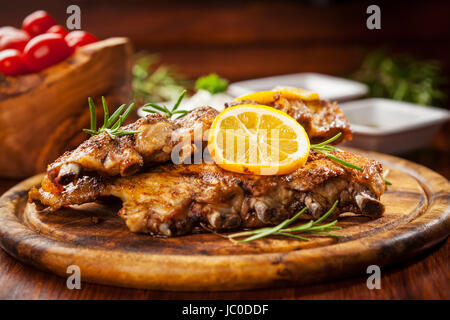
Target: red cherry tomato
column 6, row 30
column 37, row 23
column 45, row 50
column 11, row 62
column 12, row 38
column 77, row 39
column 58, row 29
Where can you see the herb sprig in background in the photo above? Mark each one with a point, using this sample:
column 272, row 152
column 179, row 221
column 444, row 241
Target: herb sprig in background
column 403, row 77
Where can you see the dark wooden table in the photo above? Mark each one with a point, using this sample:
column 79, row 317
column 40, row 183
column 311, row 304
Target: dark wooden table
column 425, row 277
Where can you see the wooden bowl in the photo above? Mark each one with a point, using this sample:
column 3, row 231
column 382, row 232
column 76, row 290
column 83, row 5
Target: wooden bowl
column 42, row 114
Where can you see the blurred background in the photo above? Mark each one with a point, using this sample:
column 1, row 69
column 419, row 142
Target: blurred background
column 250, row 39
column 241, row 40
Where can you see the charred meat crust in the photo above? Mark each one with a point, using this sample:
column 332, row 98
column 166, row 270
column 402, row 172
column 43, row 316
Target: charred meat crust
column 126, row 155
column 175, row 199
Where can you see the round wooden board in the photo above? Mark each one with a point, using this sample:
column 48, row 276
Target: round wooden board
column 94, row 238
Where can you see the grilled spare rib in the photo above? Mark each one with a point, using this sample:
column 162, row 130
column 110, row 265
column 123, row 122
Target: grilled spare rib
column 176, row 199
column 125, row 155
column 159, row 136
column 321, row 119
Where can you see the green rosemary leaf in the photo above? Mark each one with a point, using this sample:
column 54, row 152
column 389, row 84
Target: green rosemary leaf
column 270, row 231
column 93, row 114
column 343, row 162
column 105, row 112
column 323, row 146
column 241, row 234
column 153, row 81
column 327, row 141
column 113, row 131
column 312, row 225
column 182, row 113
column 117, row 124
column 302, row 227
column 326, row 148
column 281, row 230
column 149, row 110
column 110, row 133
column 123, row 117
column 293, row 236
column 91, row 132
column 123, row 133
column 155, row 106
column 327, row 214
column 127, row 112
column 115, row 115
column 165, row 110
column 333, row 228
column 323, row 226
column 248, row 233
column 179, row 100
column 387, row 182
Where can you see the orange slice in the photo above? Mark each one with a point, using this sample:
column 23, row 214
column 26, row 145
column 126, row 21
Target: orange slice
column 257, row 139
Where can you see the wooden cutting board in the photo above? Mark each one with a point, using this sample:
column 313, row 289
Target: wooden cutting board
column 94, row 238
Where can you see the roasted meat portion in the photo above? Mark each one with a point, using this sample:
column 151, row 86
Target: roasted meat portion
column 125, row 155
column 321, row 119
column 159, row 137
column 176, row 199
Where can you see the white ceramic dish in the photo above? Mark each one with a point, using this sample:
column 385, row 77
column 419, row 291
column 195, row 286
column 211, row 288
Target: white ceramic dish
column 391, row 126
column 328, row 87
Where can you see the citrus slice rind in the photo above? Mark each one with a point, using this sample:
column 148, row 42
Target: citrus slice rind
column 257, row 139
column 291, row 93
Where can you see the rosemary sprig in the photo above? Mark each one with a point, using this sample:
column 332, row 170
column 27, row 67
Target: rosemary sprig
column 154, row 81
column 164, row 110
column 283, row 230
column 323, row 147
column 110, row 125
column 403, row 77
